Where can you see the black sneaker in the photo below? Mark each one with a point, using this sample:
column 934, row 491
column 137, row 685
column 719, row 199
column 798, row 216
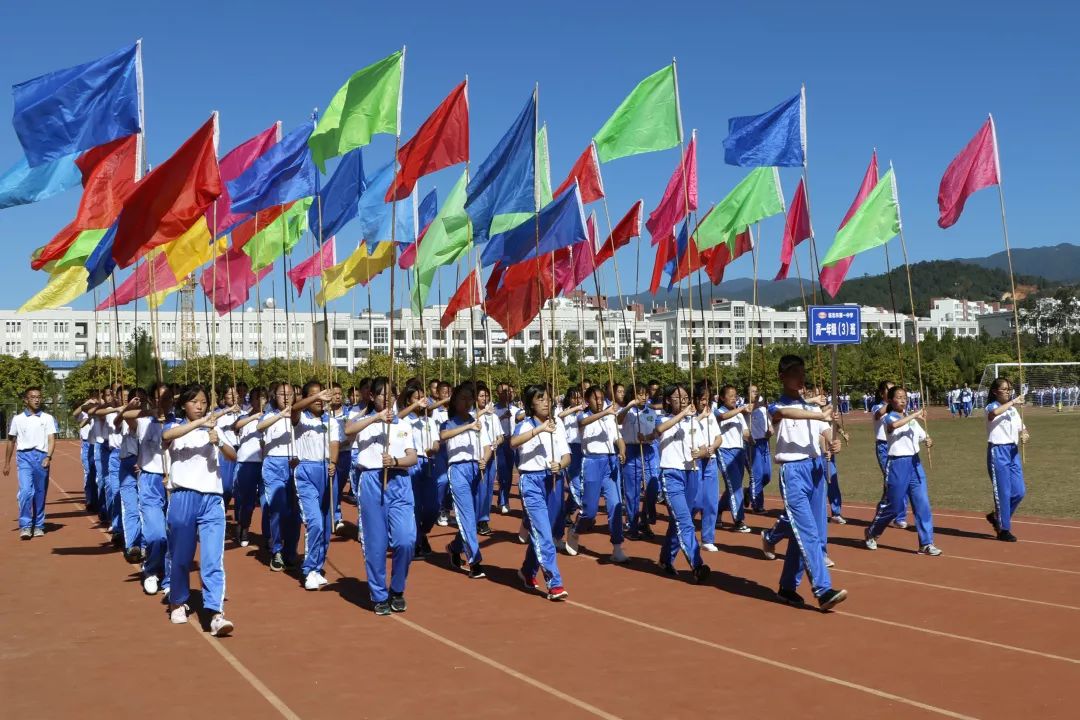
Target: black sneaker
column 790, row 597
column 419, row 552
column 831, row 598
column 117, row 540
column 668, row 569
column 382, row 608
column 633, row 535
column 700, row 574
column 483, row 528
column 133, row 555
column 426, row 545
column 992, row 519
column 646, row 531
column 1006, row 536
column 277, row 564
column 397, row 603
column 456, row 561
column 476, row 571
column 746, row 498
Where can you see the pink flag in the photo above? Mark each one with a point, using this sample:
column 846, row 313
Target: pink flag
column 139, row 285
column 832, row 276
column 975, row 168
column 219, row 216
column 586, row 171
column 229, row 279
column 796, row 229
column 574, row 264
column 313, row 266
column 677, row 196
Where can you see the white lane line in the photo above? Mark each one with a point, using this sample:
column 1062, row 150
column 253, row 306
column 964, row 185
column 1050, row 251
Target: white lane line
column 259, row 687
column 950, row 556
column 1043, row 542
column 975, row 517
column 956, row 589
column 965, row 638
column 777, row 664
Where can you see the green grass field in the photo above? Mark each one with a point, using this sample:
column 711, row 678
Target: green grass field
column 957, row 468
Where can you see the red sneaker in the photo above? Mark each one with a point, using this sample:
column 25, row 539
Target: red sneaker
column 557, row 593
column 529, row 582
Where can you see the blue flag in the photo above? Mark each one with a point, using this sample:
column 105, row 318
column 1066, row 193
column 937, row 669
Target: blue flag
column 374, row 213
column 22, row 184
column 81, row 107
column 672, row 265
column 429, row 208
column 562, row 224
column 340, row 196
column 505, row 181
column 776, row 138
column 100, row 264
column 282, row 174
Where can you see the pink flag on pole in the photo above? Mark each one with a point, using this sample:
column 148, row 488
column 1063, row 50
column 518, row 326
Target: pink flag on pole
column 219, row 217
column 229, row 279
column 832, row 276
column 313, row 266
column 138, row 285
column 975, row 168
column 677, row 195
column 796, row 229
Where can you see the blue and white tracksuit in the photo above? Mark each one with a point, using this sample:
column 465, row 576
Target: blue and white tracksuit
column 1003, row 462
column 486, row 488
column 504, row 454
column 226, row 467
column 639, row 422
column 425, row 492
column 248, row 473
column 86, row 454
column 112, row 478
column 153, row 500
column 881, row 451
column 904, row 477
column 600, row 475
column 760, row 457
column 312, row 435
column 279, row 488
column 732, row 465
column 541, row 498
column 463, row 454
column 678, row 478
column 31, row 432
column 129, row 488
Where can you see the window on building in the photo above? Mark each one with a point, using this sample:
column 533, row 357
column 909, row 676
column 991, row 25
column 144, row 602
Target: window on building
column 478, row 335
column 360, row 335
column 459, row 336
column 534, row 334
column 590, row 335
column 13, row 326
column 279, row 328
column 739, row 311
column 624, row 335
column 60, row 328
column 740, row 326
column 341, row 335
column 341, row 353
column 740, row 342
column 417, row 334
column 382, row 335
column 399, row 335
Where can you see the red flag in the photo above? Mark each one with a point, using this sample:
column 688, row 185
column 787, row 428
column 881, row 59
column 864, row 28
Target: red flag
column 796, row 229
column 219, row 218
column 467, row 296
column 168, row 201
column 718, row 258
column 673, row 206
column 665, row 250
column 514, row 306
column 258, row 222
column 629, row 227
column 109, row 173
column 442, row 141
column 975, row 168
column 313, row 266
column 586, row 171
column 407, row 257
column 229, row 279
column 139, row 285
column 832, row 276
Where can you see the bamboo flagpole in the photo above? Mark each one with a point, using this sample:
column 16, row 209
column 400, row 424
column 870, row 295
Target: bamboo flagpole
column 689, row 239
column 393, row 262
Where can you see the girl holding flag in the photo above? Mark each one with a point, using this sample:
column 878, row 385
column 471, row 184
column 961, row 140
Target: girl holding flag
column 734, row 433
column 249, row 457
column 316, row 439
column 468, row 450
column 1005, row 431
column 279, row 483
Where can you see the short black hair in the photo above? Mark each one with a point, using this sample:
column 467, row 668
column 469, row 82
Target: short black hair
column 788, row 363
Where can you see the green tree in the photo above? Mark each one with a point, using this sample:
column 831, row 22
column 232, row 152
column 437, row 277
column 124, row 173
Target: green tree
column 141, row 359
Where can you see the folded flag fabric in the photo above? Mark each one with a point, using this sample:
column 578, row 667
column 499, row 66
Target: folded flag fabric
column 378, row 220
column 975, row 168
column 228, row 281
column 151, row 276
column 448, row 238
column 429, row 208
column 775, row 138
column 627, row 229
column 80, row 107
column 279, row 237
column 100, row 265
column 466, row 296
column 755, row 198
column 796, row 229
column 283, row 173
column 561, row 224
column 646, row 121
column 832, row 276
column 21, row 184
column 62, row 288
column 194, row 248
column 680, row 196
column 220, row 216
column 442, row 141
column 586, row 172
column 875, row 222
column 313, row 266
column 79, row 250
column 340, row 195
column 358, row 269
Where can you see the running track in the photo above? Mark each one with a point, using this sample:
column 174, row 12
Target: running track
column 989, row 630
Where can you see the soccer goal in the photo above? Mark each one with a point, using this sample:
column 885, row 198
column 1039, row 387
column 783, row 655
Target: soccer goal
column 1050, row 385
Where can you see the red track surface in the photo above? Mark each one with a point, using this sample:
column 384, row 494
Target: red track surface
column 989, row 630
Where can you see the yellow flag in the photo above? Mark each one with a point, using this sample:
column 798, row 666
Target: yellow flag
column 358, row 268
column 154, row 300
column 188, row 252
column 61, row 289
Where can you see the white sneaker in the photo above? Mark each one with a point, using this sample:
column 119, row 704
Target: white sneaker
column 902, row 524
column 220, row 627
column 572, row 539
column 504, row 510
column 311, row 582
column 323, row 580
column 838, row 519
column 522, row 535
column 930, row 550
column 178, row 616
column 617, row 554
column 443, row 521
column 829, row 562
column 709, row 547
column 871, row 543
column 339, row 526
column 767, row 548
column 150, row 585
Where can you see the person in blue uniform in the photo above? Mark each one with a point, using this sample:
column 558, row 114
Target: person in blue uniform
column 414, row 409
column 31, row 438
column 734, row 432
column 279, row 481
column 249, row 456
column 1005, row 432
column 153, row 499
column 468, row 451
column 315, row 434
column 759, row 453
column 637, row 422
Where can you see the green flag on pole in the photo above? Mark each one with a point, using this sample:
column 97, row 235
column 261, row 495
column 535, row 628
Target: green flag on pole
column 448, row 238
column 646, row 121
column 369, row 103
column 543, row 168
column 279, row 237
column 875, row 222
column 758, row 196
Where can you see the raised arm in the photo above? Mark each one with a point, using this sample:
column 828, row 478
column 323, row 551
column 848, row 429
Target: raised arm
column 445, row 435
column 1004, row 407
column 673, row 421
column 595, row 417
column 895, row 424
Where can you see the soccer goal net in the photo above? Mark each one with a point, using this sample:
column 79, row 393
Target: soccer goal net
column 1055, row 385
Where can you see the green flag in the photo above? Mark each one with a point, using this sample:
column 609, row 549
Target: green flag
column 279, row 237
column 875, row 222
column 448, row 238
column 757, row 197
column 647, row 120
column 80, row 250
column 543, row 168
column 369, row 103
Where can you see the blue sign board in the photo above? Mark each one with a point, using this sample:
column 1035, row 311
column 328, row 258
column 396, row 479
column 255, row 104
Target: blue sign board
column 834, row 324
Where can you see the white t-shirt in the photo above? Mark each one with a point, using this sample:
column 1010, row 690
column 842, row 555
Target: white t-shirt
column 466, row 446
column 116, row 437
column 84, row 430
column 193, row 463
column 149, row 430
column 536, row 454
column 278, row 438
column 506, row 415
column 32, row 430
column 677, row 443
column 638, row 421
column 797, row 439
column 759, row 423
column 904, row 441
column 129, row 441
column 731, row 430
column 372, row 442
column 598, row 438
column 573, row 430
column 98, row 432
column 879, row 423
column 224, row 427
column 424, row 433
column 1005, row 428
column 249, row 443
column 492, row 428
column 310, row 436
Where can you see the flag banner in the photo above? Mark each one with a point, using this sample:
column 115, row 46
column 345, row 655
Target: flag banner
column 108, row 177
column 646, row 121
column 719, row 257
column 776, row 138
column 79, row 250
column 506, row 181
column 796, row 229
column 577, row 262
column 80, row 107
column 975, row 168
column 875, row 222
column 429, row 208
column 665, row 250
column 368, row 103
column 62, row 288
column 358, row 269
column 194, row 248
column 515, row 305
column 680, row 196
column 442, row 141
column 627, row 229
column 375, row 216
column 21, row 184
column 832, row 276
column 100, row 265
column 543, row 169
column 340, row 195
column 279, row 237
column 682, row 258
column 466, row 296
column 167, row 202
column 586, row 172
column 283, row 173
column 561, row 224
column 313, row 266
column 228, row 281
column 755, row 198
column 448, row 238
column 243, row 233
column 151, row 276
column 220, row 216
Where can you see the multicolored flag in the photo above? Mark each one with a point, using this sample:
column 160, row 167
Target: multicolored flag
column 775, row 138
column 442, row 141
column 448, row 238
column 279, row 237
column 975, row 168
column 832, row 276
column 875, row 222
column 796, row 229
column 646, row 121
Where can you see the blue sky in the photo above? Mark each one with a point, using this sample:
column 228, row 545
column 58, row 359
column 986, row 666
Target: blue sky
column 913, row 79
